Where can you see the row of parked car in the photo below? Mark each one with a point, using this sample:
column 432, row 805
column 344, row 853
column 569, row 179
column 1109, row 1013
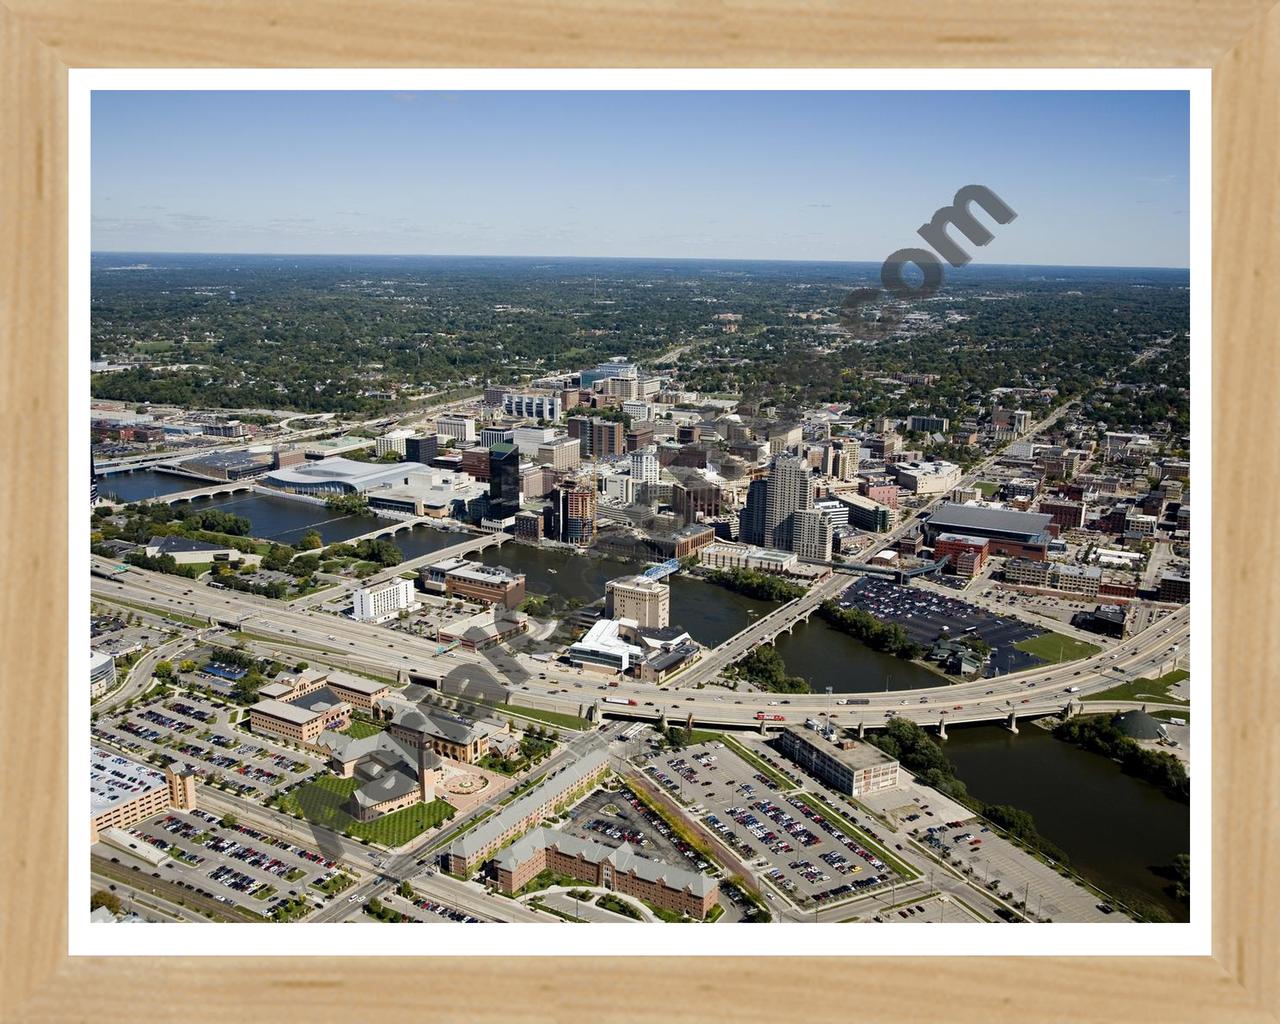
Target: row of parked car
column 447, row 912
column 607, row 828
column 837, row 835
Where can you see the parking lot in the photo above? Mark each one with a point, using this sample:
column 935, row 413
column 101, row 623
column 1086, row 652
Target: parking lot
column 110, row 635
column 614, row 818
column 925, row 613
column 232, row 864
column 943, row 826
column 793, row 848
column 194, row 731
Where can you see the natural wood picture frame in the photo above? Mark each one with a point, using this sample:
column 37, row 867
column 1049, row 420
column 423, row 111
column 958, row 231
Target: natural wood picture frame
column 41, row 39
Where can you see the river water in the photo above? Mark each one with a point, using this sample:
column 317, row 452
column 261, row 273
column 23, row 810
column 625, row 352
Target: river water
column 711, row 614
column 1113, row 827
column 276, row 518
column 286, row 520
column 827, row 657
column 139, row 484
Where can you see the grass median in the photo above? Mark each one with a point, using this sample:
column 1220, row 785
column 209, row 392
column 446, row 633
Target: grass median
column 534, row 714
column 1147, row 688
column 1054, row 647
column 756, row 762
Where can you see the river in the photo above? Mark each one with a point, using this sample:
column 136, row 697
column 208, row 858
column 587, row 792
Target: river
column 711, row 614
column 828, row 657
column 286, row 520
column 139, row 484
column 1113, row 827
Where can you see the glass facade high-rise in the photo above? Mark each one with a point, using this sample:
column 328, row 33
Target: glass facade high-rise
column 504, row 481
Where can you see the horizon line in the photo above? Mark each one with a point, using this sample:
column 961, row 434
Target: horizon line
column 680, row 259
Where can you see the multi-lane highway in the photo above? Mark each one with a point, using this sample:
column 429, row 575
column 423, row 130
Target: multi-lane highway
column 550, row 686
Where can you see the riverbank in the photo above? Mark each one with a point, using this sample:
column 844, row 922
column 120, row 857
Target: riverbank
column 1119, row 832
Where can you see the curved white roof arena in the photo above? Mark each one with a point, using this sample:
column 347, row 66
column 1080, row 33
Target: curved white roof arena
column 341, row 476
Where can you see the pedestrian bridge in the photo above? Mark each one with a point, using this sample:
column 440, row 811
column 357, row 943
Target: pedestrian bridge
column 898, row 574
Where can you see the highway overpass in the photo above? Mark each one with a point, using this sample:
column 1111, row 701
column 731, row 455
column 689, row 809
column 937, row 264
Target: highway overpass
column 1041, row 690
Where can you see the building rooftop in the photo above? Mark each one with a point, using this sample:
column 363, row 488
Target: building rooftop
column 337, row 470
column 955, row 518
column 857, row 755
column 114, row 780
column 439, row 725
column 357, row 684
column 604, row 636
column 464, row 569
column 625, row 860
column 914, row 468
column 295, row 713
column 566, row 781
column 389, row 785
column 962, row 538
column 637, row 583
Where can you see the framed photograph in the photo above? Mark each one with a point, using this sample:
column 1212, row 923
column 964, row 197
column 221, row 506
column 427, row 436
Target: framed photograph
column 526, row 497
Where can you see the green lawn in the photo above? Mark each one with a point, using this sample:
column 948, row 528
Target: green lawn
column 359, row 729
column 544, row 880
column 614, row 905
column 1145, row 688
column 697, row 736
column 291, row 910
column 987, row 488
column 536, row 714
column 496, row 763
column 1054, row 647
column 785, row 784
column 322, row 802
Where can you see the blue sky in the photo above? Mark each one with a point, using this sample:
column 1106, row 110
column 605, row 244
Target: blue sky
column 1096, row 178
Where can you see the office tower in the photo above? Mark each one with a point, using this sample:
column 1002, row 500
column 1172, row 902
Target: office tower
column 421, row 449
column 646, row 601
column 813, row 534
column 575, row 513
column 644, row 466
column 751, row 520
column 790, row 489
column 504, row 481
